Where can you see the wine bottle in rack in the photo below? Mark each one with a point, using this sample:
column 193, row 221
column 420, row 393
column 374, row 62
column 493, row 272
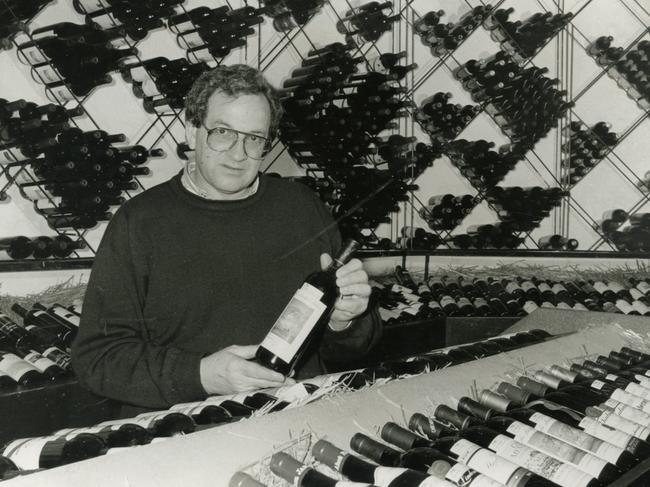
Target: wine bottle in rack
column 52, row 451
column 18, row 247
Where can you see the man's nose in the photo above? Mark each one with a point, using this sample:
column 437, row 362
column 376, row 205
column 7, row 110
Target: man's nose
column 237, row 151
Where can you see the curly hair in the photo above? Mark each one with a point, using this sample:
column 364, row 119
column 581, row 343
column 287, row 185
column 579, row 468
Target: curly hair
column 235, row 80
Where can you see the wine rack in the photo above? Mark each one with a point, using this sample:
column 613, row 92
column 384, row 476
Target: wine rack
column 427, row 167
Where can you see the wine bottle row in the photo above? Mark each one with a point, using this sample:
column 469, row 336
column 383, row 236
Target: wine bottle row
column 43, row 247
column 522, row 39
column 635, row 237
column 522, row 101
column 629, row 68
column 402, row 300
column 442, row 38
column 137, row 19
column 523, row 208
column 586, row 147
column 367, row 22
column 441, row 120
column 586, row 425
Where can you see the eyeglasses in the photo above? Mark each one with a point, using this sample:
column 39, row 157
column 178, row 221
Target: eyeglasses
column 221, row 139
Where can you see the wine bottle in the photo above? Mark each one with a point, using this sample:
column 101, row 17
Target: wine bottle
column 52, row 451
column 18, row 369
column 537, row 440
column 298, row 322
column 204, row 414
column 359, row 470
column 16, row 247
column 116, row 436
column 42, row 319
column 159, row 423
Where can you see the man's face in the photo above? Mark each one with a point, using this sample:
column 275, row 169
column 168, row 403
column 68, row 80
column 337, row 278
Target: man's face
column 227, row 174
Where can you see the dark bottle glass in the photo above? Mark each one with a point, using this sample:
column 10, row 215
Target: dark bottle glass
column 42, row 319
column 16, row 247
column 318, row 292
column 52, row 451
column 116, row 436
column 242, row 479
column 359, row 470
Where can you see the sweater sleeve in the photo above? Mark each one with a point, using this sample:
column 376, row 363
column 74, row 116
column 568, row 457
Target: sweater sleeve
column 112, row 354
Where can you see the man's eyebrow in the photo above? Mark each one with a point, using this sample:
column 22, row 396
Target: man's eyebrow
column 226, row 124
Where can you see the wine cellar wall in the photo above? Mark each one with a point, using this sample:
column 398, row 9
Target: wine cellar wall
column 589, row 89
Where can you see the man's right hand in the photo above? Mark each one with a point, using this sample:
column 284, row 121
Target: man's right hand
column 229, row 371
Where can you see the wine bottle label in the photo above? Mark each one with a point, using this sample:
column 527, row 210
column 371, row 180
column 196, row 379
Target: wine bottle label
column 46, row 73
column 643, row 286
column 643, row 380
column 59, row 94
column 625, row 425
column 413, row 310
column 92, row 5
column 628, row 412
column 411, row 298
column 7, row 156
column 580, row 307
column 190, row 39
column 624, row 306
column 396, row 288
column 615, row 286
column 530, row 306
column 190, row 410
column 295, row 323
column 563, row 373
column 606, row 433
column 544, row 287
column 563, row 305
column 557, row 449
column 484, row 461
column 431, row 481
column 69, row 317
column 558, row 288
column 447, row 300
column 14, row 366
column 539, row 463
column 26, row 452
column 513, row 287
column 640, row 307
column 576, row 437
column 630, row 399
column 386, row 314
column 636, row 294
column 70, row 433
column 528, row 286
column 59, row 357
column 463, row 476
column 638, row 390
column 34, row 55
column 547, row 379
column 146, row 420
column 601, row 287
column 34, row 193
column 597, row 384
column 38, row 361
column 149, row 88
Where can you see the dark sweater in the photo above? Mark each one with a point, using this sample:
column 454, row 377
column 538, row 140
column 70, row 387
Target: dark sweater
column 177, row 277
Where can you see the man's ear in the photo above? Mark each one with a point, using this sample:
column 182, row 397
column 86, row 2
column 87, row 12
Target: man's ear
column 190, row 134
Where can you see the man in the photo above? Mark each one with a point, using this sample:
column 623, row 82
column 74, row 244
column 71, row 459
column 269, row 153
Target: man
column 192, row 273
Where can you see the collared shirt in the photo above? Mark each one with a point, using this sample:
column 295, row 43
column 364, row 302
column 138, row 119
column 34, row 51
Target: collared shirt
column 190, row 185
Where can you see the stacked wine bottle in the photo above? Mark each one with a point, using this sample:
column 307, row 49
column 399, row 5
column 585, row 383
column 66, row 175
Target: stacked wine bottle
column 443, row 121
column 443, row 38
column 213, row 33
column 136, row 18
column 522, row 101
column 583, row 426
column 586, row 147
column 15, row 15
column 522, row 39
column 401, row 299
column 634, row 237
column 367, row 22
column 629, row 68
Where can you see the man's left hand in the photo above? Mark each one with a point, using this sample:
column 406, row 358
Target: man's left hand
column 354, row 292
